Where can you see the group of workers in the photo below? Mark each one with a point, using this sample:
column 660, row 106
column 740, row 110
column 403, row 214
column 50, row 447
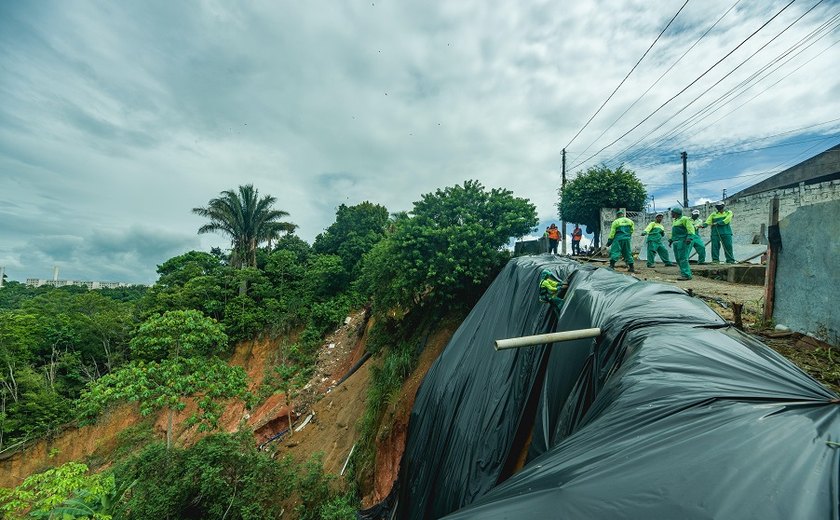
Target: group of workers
column 685, row 236
column 552, row 232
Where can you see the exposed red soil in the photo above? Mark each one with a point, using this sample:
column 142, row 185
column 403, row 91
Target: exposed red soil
column 392, row 434
column 72, row 444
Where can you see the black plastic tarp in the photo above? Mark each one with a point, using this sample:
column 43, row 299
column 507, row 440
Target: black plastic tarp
column 669, row 414
column 468, row 408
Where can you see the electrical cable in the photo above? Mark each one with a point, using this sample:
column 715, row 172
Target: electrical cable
column 660, row 78
column 628, row 74
column 706, row 111
column 663, row 105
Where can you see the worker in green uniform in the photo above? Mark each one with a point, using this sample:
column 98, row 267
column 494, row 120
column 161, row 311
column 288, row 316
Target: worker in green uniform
column 551, row 290
column 655, row 231
column 681, row 231
column 696, row 240
column 621, row 231
column 720, row 222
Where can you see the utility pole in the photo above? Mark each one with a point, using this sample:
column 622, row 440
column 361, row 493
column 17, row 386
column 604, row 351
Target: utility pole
column 562, row 192
column 685, row 178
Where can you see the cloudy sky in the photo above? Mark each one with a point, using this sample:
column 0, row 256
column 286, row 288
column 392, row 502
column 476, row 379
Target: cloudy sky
column 117, row 118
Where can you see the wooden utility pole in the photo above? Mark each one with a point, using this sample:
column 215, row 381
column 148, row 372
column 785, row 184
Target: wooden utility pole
column 685, row 178
column 562, row 192
column 772, row 259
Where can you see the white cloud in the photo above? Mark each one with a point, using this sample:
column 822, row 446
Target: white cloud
column 125, row 116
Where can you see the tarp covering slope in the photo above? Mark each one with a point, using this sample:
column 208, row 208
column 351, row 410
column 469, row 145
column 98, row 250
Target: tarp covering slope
column 467, row 410
column 669, row 414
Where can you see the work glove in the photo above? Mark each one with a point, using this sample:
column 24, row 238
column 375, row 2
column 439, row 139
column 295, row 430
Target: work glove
column 670, row 242
column 609, row 242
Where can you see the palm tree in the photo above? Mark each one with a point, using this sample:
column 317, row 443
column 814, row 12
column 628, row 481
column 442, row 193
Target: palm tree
column 248, row 219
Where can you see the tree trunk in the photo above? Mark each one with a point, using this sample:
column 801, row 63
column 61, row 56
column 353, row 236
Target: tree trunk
column 169, row 429
column 597, row 239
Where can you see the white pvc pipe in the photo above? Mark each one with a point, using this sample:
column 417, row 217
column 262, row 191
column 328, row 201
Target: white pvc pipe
column 542, row 339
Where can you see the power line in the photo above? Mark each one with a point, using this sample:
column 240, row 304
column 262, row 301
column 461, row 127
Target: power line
column 628, row 74
column 713, row 154
column 663, row 105
column 660, row 77
column 705, row 111
column 775, row 169
column 762, row 91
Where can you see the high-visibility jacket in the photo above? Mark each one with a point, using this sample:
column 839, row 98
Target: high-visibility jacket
column 719, row 220
column 655, row 231
column 681, row 228
column 621, row 229
column 553, row 233
column 697, row 223
column 577, row 234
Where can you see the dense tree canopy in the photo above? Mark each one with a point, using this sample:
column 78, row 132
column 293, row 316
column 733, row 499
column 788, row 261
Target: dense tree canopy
column 355, row 231
column 174, row 359
column 600, row 187
column 448, row 247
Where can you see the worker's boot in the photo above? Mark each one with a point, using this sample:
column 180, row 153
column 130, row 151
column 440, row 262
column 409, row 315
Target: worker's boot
column 630, row 269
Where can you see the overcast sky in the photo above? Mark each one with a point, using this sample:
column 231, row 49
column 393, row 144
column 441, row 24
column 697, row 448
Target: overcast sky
column 117, row 118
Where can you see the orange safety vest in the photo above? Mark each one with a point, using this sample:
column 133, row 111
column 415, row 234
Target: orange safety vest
column 576, row 234
column 554, row 233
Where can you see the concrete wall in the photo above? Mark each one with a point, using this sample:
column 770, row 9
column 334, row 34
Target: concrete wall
column 751, row 213
column 808, row 274
column 824, row 164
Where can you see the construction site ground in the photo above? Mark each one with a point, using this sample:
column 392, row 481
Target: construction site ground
column 819, row 359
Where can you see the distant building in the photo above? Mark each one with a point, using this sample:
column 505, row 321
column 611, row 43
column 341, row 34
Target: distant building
column 38, row 282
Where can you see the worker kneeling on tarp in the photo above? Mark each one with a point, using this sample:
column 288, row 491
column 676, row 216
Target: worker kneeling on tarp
column 551, row 290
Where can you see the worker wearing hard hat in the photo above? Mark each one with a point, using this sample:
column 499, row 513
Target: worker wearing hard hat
column 621, row 231
column 681, row 231
column 721, row 233
column 696, row 240
column 655, row 231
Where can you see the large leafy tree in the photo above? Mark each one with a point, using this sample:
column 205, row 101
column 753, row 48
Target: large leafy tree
column 247, row 218
column 174, row 359
column 448, row 248
column 600, row 187
column 355, row 231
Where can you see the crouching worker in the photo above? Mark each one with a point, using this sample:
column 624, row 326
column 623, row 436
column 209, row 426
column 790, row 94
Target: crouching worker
column 552, row 290
column 655, row 232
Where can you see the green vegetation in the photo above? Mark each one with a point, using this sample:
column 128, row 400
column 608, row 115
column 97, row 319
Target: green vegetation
column 69, row 353
column 447, row 250
column 600, row 187
column 221, row 476
column 67, row 492
column 248, row 219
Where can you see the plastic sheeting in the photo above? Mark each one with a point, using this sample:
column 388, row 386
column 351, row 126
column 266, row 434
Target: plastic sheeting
column 670, row 414
column 467, row 411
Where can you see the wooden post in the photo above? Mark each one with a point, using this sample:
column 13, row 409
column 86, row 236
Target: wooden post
column 563, row 222
column 772, row 259
column 736, row 311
